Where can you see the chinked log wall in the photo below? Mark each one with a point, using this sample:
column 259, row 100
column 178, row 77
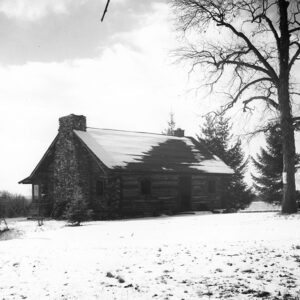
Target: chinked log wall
column 201, row 198
column 165, row 193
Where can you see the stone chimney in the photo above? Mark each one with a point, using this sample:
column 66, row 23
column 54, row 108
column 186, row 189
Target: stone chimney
column 72, row 122
column 68, row 174
column 179, row 132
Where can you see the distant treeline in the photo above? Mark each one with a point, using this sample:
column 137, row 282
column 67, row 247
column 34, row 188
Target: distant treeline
column 13, row 205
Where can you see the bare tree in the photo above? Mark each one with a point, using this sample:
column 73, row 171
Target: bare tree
column 258, row 57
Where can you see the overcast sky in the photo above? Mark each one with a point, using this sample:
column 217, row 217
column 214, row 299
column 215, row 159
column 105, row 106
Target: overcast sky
column 57, row 58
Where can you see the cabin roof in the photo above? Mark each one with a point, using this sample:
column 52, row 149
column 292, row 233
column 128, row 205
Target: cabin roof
column 141, row 151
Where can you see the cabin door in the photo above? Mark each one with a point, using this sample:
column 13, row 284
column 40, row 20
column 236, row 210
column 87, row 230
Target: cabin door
column 184, row 186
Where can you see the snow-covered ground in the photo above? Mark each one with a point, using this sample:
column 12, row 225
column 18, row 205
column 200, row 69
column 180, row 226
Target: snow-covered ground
column 232, row 256
column 261, row 206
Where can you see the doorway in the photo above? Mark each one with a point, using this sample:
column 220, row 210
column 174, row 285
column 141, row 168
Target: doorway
column 185, row 184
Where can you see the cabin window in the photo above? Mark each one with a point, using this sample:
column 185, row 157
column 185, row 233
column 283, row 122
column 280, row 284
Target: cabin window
column 35, row 191
column 44, row 189
column 211, row 186
column 99, row 188
column 145, row 186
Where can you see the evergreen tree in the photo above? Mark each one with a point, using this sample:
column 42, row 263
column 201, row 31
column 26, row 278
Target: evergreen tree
column 77, row 210
column 269, row 164
column 170, row 130
column 216, row 136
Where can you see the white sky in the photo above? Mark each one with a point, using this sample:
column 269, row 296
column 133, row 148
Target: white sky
column 57, row 58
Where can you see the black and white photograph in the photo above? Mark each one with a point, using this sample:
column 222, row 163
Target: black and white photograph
column 150, row 149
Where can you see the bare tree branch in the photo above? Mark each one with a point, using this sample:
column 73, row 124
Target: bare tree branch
column 271, row 25
column 268, row 100
column 105, row 10
column 270, row 71
column 296, row 55
column 294, row 29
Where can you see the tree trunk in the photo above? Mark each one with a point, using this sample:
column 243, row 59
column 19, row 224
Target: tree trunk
column 288, row 146
column 288, row 140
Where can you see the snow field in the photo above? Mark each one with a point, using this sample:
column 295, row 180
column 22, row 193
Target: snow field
column 204, row 256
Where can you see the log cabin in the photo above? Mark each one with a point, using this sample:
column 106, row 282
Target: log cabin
column 126, row 173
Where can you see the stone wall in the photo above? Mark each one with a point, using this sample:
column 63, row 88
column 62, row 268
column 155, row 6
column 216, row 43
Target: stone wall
column 74, row 167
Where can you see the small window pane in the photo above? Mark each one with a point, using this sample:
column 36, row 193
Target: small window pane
column 211, row 186
column 36, row 191
column 99, row 188
column 145, row 187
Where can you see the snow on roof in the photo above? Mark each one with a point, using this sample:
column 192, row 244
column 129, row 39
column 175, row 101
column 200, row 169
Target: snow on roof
column 119, row 149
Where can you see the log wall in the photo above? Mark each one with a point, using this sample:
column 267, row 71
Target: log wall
column 165, row 195
column 202, row 198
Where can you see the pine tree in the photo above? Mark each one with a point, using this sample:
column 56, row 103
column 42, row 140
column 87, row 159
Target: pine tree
column 170, row 130
column 217, row 137
column 269, row 164
column 239, row 194
column 77, row 210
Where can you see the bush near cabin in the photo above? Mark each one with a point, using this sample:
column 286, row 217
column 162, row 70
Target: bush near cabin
column 77, row 210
